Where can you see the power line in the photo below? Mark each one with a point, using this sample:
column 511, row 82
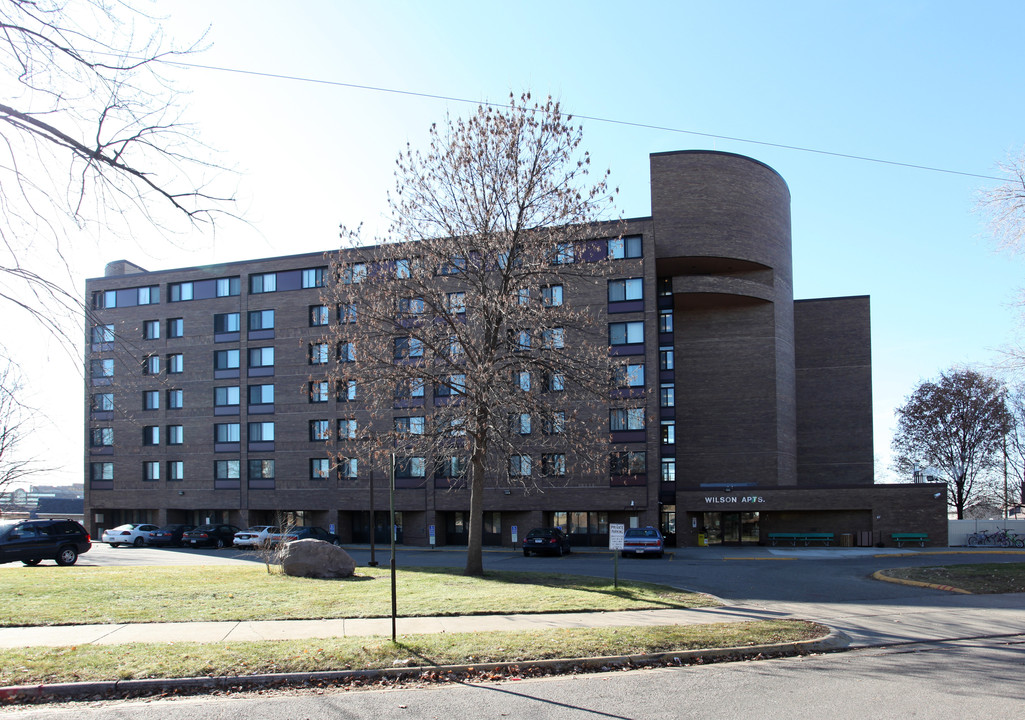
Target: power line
column 592, row 118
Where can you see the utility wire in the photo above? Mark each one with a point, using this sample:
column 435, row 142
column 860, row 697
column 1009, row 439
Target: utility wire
column 593, row 118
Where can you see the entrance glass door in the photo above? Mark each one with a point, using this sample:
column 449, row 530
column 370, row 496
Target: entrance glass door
column 730, row 528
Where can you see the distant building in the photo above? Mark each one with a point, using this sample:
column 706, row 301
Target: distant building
column 746, row 413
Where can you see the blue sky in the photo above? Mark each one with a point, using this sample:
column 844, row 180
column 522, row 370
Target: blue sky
column 926, row 83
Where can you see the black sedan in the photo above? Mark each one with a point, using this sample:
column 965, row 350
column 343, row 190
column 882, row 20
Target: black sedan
column 552, row 541
column 168, row 535
column 217, row 536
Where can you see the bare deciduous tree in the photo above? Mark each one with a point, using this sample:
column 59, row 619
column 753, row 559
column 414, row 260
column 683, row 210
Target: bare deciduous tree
column 92, row 142
column 15, row 424
column 956, row 425
column 1016, row 447
column 1004, row 205
column 453, row 338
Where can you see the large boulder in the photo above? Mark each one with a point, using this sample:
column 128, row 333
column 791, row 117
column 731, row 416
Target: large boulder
column 316, row 559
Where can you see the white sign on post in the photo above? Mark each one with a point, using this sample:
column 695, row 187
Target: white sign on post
column 616, row 531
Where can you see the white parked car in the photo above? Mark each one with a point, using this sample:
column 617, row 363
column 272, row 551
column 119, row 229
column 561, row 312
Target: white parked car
column 254, row 536
column 129, row 534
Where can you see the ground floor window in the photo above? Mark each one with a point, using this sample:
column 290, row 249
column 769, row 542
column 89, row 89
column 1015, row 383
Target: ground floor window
column 730, row 528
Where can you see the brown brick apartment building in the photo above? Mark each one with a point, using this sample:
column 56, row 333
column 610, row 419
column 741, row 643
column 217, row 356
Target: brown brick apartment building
column 757, row 410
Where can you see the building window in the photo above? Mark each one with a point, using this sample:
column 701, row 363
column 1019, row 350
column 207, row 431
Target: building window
column 521, row 380
column 627, row 289
column 409, row 388
column 151, row 471
column 175, row 328
column 175, row 399
column 101, row 471
column 319, row 353
column 410, row 467
column 668, row 432
column 102, row 334
column 226, row 359
column 410, row 425
column 320, row 430
column 320, row 468
column 455, row 303
column 261, row 469
column 263, row 283
column 226, row 396
column 102, row 437
column 520, row 340
column 553, row 464
column 408, row 347
column 261, row 319
column 313, row 277
column 553, row 338
column 347, row 429
column 346, row 313
column 175, row 434
column 555, row 423
column 555, row 382
column 519, row 465
column 226, row 322
column 666, row 359
column 175, row 363
column 103, row 402
column 626, row 247
column 175, row 470
column 632, row 462
column 402, row 268
column 346, row 352
column 318, row 315
column 455, row 347
column 151, row 435
column 261, row 357
column 629, row 375
column 103, row 299
column 411, row 305
column 453, row 266
column 227, row 287
column 226, row 469
column 665, row 287
column 353, row 274
column 551, row 296
column 347, row 390
column 150, row 399
column 261, row 432
column 261, row 394
column 626, row 419
column 519, row 423
column 151, row 365
column 101, row 368
column 626, row 333
column 667, row 395
column 450, row 467
column 451, row 385
column 180, row 291
column 668, row 469
column 151, row 330
column 347, row 468
column 318, row 391
column 226, row 432
column 149, row 295
column 563, row 254
column 665, row 321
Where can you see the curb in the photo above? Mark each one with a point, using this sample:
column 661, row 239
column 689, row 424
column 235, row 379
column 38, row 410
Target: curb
column 834, row 641
column 878, row 575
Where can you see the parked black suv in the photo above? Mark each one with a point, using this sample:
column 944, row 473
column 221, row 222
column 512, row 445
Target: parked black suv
column 33, row 541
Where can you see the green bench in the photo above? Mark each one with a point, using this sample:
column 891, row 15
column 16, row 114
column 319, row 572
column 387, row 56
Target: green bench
column 901, row 538
column 806, row 538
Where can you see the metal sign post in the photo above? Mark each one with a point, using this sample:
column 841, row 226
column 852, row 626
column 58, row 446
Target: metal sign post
column 616, row 532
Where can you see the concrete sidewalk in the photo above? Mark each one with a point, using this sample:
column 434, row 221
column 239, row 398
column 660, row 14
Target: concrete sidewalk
column 209, row 632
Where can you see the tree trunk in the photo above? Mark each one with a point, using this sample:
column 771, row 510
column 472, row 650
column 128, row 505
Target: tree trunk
column 474, row 553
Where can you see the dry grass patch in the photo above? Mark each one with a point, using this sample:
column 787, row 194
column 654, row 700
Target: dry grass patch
column 46, row 595
column 980, row 579
column 173, row 660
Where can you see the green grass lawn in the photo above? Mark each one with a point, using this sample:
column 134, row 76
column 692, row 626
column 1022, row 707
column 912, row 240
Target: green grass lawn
column 46, row 595
column 980, row 579
column 173, row 660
